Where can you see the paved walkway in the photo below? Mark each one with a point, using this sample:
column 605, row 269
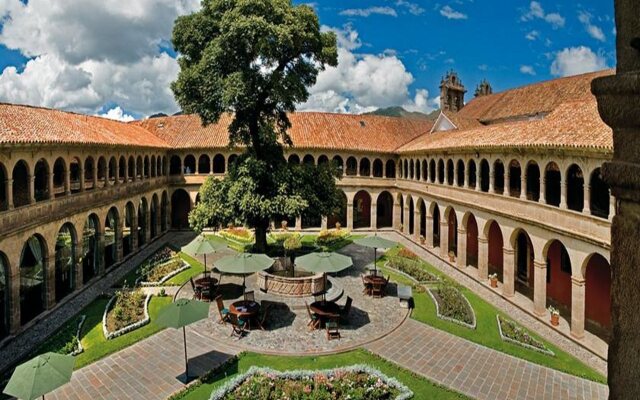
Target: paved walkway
column 477, row 371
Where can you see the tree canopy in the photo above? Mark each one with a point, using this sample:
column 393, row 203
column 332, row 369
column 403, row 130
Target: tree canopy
column 254, row 59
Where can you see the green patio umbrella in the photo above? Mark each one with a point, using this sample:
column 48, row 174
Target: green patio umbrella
column 244, row 264
column 376, row 243
column 179, row 314
column 324, row 262
column 40, row 375
column 203, row 246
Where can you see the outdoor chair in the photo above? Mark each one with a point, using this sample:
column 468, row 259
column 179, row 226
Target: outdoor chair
column 376, row 290
column 314, row 321
column 224, row 312
column 344, row 310
column 386, row 283
column 367, row 286
column 249, row 296
column 333, row 329
column 197, row 292
column 238, row 326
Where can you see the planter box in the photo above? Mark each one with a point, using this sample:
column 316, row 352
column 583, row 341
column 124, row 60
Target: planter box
column 165, row 278
column 528, row 346
column 456, row 321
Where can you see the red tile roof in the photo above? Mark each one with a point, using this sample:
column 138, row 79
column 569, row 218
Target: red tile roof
column 309, row 130
column 537, row 98
column 26, row 124
column 570, row 125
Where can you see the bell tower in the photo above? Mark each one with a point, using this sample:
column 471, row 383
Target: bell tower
column 451, row 92
column 483, row 89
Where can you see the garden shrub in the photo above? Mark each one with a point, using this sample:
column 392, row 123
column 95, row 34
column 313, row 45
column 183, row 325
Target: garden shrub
column 452, row 304
column 412, row 268
column 127, row 309
column 514, row 333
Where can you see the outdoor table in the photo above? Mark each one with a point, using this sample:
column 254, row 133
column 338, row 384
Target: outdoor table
column 371, row 280
column 246, row 309
column 206, row 283
column 325, row 309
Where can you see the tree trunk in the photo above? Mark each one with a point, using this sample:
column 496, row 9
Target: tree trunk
column 261, row 237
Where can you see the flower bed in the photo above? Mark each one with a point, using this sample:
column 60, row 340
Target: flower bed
column 328, row 237
column 237, row 234
column 160, row 267
column 512, row 333
column 356, row 382
column 126, row 311
column 451, row 305
column 66, row 340
column 412, row 268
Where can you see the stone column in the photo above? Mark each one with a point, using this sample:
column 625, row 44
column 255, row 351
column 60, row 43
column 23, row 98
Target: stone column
column 118, row 243
column 543, row 189
column 478, row 176
column 492, row 178
column 577, row 307
column 405, row 228
column 95, row 175
column 147, row 232
column 100, row 253
column 9, row 193
column 444, row 239
column 67, row 180
column 50, row 281
column 618, row 103
column 374, row 216
column 587, row 198
column 612, row 206
column 397, row 212
column 14, row 305
column 483, row 258
column 523, row 184
column 563, row 195
column 428, row 231
column 50, row 188
column 461, row 260
column 298, row 223
column 507, row 181
column 539, row 288
column 81, row 172
column 349, row 215
column 417, row 226
column 133, row 234
column 32, row 189
column 78, row 276
column 509, row 272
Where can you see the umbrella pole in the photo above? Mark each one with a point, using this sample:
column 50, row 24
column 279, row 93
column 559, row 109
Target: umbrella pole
column 186, row 363
column 205, row 264
column 375, row 255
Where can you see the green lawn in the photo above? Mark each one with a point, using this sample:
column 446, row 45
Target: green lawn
column 196, row 269
column 486, row 332
column 422, row 388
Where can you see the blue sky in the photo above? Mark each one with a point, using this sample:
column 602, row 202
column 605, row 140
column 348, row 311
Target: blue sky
column 92, row 56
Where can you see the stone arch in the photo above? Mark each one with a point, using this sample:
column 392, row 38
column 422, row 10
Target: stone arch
column 405, row 171
column 575, row 188
column 65, row 261
column 495, row 253
column 559, row 272
column 59, row 177
column 600, row 199
column 5, row 296
column 412, row 222
column 89, row 173
column 75, row 175
column 145, row 169
column 102, row 173
column 432, row 171
column 515, row 178
column 533, row 181
column 597, row 273
column 139, row 167
column 293, row 159
column 131, row 169
column 218, row 164
column 378, row 170
column 323, row 160
column 204, row 164
column 352, row 166
column 41, row 180
column 339, row 216
column 384, row 210
column 390, row 169
column 91, row 255
column 21, row 190
column 190, row 164
column 450, row 172
column 472, row 174
column 400, row 200
column 112, row 237
column 471, row 227
column 153, row 166
column 143, row 210
column 417, row 174
column 485, row 175
column 164, row 166
column 362, row 210
column 175, row 165
column 130, row 229
column 365, row 167
column 164, row 211
column 553, row 182
column 33, row 272
column 435, row 215
column 524, row 255
column 425, row 170
column 440, row 171
column 452, row 230
column 460, row 173
column 308, row 160
column 122, row 169
column 112, row 171
column 153, row 216
column 180, row 208
column 498, row 176
column 411, row 171
column 339, row 164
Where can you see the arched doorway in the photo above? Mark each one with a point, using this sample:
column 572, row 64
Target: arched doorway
column 552, row 180
column 435, row 213
column 32, row 278
column 218, row 164
column 339, row 216
column 41, row 180
column 559, row 277
column 204, row 164
column 498, row 177
column 452, row 225
column 130, row 227
column 142, row 222
column 472, row 241
column 496, row 254
column 484, row 175
column 174, row 165
column 384, row 210
column 362, row 210
column 472, row 174
column 20, row 188
column 352, row 166
column 180, row 207
column 524, row 263
column 65, row 261
column 600, row 199
column 533, row 181
column 423, row 220
column 390, row 169
column 575, row 188
column 5, row 291
column 597, row 273
column 111, row 226
column 90, row 250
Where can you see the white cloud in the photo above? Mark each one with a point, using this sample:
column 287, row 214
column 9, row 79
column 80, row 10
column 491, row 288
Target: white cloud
column 527, row 70
column 536, row 11
column 450, row 13
column 413, row 8
column 483, row 67
column 366, row 12
column 88, row 53
column 577, row 60
column 533, row 35
column 363, row 82
column 593, row 30
column 117, row 114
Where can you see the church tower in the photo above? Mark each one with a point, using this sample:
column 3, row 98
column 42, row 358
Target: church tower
column 483, row 89
column 451, row 92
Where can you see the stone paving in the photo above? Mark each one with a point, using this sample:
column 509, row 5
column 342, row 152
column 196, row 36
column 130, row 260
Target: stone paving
column 477, row 371
column 286, row 326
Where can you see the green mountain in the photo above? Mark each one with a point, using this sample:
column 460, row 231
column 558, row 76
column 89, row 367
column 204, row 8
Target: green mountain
column 402, row 113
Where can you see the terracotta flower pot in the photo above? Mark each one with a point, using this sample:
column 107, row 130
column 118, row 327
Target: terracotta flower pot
column 494, row 282
column 555, row 319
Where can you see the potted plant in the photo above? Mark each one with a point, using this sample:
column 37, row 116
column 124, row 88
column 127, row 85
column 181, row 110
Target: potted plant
column 452, row 256
column 423, row 240
column 555, row 316
column 493, row 279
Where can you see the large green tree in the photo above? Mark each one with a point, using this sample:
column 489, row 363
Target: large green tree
column 254, row 59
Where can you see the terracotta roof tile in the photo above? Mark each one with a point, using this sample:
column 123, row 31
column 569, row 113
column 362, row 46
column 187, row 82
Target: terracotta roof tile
column 537, row 98
column 309, row 130
column 26, row 124
column 462, row 122
column 570, row 125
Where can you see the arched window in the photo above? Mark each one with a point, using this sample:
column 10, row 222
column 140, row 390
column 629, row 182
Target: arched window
column 75, row 166
column 575, row 188
column 377, row 168
column 294, row 159
column 204, row 164
column 139, row 167
column 352, row 166
column 498, row 177
column 218, row 164
column 122, row 169
column 90, row 249
column 65, row 261
column 41, row 182
column 153, row 166
column 425, row 170
column 450, row 172
column 337, row 162
column 436, row 225
column 484, row 175
column 460, row 174
column 600, row 198
column 32, row 278
column 412, row 223
column 417, row 170
column 189, row 165
column 552, row 179
column 131, row 169
column 146, row 167
column 411, row 170
column 21, row 183
column 89, row 169
column 174, row 167
column 59, row 177
column 432, row 171
column 533, row 181
column 308, row 160
column 365, row 167
column 405, row 171
column 472, row 173
column 452, row 223
column 390, row 169
column 440, row 171
column 112, row 171
column 103, row 172
column 323, row 160
column 515, row 179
